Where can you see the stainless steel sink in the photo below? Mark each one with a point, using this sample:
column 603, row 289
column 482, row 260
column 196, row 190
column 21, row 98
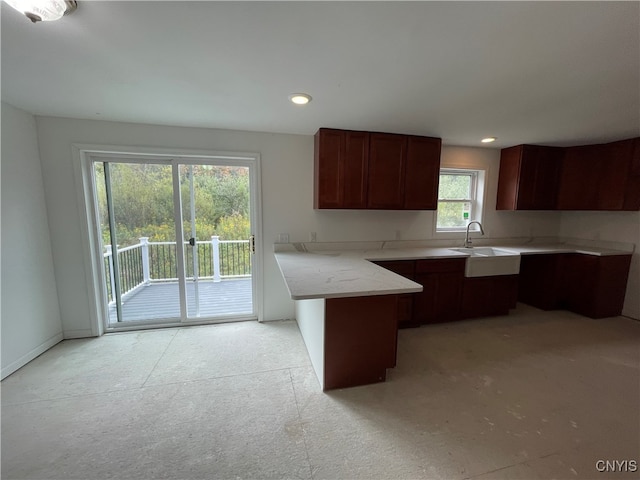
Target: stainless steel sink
column 489, row 261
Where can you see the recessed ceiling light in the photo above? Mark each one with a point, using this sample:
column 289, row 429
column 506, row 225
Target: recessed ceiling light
column 300, row 98
column 488, row 139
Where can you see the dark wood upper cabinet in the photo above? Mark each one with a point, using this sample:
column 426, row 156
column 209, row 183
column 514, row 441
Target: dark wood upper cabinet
column 358, row 170
column 632, row 190
column 600, row 177
column 355, row 169
column 586, row 177
column 615, row 163
column 340, row 169
column 528, row 178
column 618, row 185
column 422, row 173
column 581, row 171
column 387, row 159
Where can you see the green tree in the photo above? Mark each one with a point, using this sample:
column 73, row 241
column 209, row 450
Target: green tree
column 143, row 203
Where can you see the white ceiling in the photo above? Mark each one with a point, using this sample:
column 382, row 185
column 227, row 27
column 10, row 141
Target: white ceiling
column 527, row 72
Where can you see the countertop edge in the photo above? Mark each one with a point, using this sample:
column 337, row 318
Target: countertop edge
column 367, row 259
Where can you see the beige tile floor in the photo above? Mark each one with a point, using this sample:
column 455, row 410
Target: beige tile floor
column 535, row 395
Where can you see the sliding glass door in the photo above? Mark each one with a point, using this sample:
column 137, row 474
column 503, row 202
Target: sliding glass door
column 217, row 238
column 176, row 240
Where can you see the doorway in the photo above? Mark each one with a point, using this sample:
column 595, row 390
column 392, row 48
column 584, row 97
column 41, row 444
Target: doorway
column 176, row 238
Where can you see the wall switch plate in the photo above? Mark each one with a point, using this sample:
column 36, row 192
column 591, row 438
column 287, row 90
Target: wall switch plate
column 283, row 238
column 313, row 237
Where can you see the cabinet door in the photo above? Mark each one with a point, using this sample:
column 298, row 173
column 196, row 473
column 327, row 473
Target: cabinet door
column 329, row 150
column 422, row 173
column 616, row 161
column 405, row 301
column 595, row 286
column 580, row 178
column 509, row 178
column 448, row 297
column 424, row 302
column 526, row 191
column 546, row 174
column 441, row 297
column 632, row 190
column 356, row 158
column 387, row 157
column 528, row 178
column 577, row 277
column 477, row 297
column 538, row 281
column 611, row 285
column 340, row 169
column 487, row 296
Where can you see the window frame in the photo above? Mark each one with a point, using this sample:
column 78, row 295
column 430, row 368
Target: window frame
column 476, row 191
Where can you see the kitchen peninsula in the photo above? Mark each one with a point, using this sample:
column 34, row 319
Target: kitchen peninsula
column 350, row 341
column 346, row 306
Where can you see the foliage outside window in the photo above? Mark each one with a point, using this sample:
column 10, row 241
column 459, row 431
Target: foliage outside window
column 143, row 202
column 457, row 199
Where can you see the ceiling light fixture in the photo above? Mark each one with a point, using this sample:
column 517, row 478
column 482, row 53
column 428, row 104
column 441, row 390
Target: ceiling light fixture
column 43, row 10
column 488, row 140
column 300, row 98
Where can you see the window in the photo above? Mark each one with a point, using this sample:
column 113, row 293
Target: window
column 459, row 199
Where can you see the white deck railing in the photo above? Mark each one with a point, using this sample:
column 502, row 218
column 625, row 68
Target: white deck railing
column 147, row 262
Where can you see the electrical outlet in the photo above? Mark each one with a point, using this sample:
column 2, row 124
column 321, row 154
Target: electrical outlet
column 283, row 238
column 313, row 237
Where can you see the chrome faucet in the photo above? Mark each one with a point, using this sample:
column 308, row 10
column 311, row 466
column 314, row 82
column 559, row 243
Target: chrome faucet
column 467, row 242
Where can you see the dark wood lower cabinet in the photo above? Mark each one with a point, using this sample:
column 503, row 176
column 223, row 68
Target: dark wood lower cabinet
column 593, row 286
column 488, row 296
column 448, row 295
column 590, row 285
column 539, row 281
column 360, row 340
column 406, row 268
column 442, row 281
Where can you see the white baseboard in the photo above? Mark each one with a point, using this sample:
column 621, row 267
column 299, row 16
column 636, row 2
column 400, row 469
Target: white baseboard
column 26, row 358
column 84, row 333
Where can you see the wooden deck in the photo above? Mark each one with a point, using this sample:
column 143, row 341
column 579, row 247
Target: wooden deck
column 161, row 300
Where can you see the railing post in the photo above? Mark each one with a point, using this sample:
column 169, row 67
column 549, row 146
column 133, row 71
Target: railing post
column 215, row 255
column 144, row 241
column 112, row 278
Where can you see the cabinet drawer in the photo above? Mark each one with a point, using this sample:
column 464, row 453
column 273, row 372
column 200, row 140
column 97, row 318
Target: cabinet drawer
column 440, row 265
column 405, row 268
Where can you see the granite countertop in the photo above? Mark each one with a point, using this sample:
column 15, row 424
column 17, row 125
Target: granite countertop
column 330, row 273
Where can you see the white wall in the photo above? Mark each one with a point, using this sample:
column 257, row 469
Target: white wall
column 287, row 200
column 355, row 225
column 614, row 227
column 284, row 161
column 500, row 224
column 30, row 313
